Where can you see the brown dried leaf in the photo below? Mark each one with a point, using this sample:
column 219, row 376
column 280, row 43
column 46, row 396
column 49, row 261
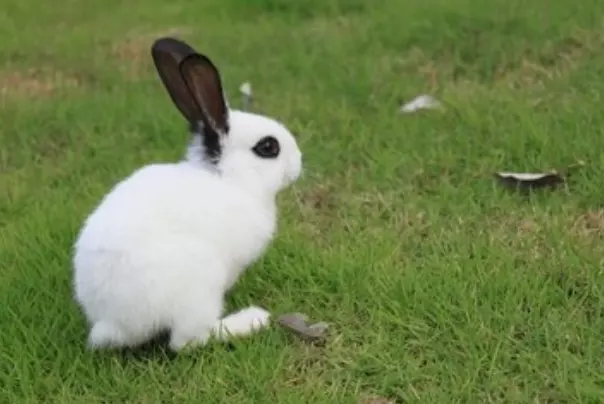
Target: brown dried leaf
column 297, row 323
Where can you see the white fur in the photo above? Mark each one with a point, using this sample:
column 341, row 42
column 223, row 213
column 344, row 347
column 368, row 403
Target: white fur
column 166, row 243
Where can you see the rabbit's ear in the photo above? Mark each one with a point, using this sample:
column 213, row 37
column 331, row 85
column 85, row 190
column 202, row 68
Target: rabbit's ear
column 203, row 81
column 168, row 54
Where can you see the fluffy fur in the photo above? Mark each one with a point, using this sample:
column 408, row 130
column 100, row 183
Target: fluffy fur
column 166, row 243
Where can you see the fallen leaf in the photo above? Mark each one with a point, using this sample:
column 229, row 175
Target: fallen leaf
column 297, row 323
column 420, row 102
column 527, row 181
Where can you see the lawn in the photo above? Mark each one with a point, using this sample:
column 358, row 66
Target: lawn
column 440, row 286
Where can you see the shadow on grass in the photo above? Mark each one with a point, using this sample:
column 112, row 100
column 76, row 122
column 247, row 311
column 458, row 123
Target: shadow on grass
column 157, row 350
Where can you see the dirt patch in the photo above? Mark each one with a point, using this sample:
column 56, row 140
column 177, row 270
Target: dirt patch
column 589, row 224
column 134, row 51
column 516, row 226
column 36, row 82
column 531, row 69
column 554, row 60
column 376, row 400
column 322, row 27
column 321, row 198
column 524, row 236
column 318, row 208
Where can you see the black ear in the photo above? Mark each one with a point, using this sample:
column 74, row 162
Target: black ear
column 203, row 80
column 193, row 83
column 168, row 54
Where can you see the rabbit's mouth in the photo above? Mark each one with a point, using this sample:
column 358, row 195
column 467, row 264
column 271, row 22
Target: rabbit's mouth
column 295, row 168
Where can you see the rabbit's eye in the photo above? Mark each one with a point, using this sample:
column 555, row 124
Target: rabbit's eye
column 267, row 147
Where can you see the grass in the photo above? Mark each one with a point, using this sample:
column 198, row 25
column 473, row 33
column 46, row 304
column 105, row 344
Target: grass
column 440, row 286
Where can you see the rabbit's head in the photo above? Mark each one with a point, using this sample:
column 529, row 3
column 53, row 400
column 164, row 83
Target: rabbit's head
column 254, row 150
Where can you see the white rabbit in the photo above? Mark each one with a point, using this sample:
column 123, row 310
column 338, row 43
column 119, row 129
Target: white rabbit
column 166, row 243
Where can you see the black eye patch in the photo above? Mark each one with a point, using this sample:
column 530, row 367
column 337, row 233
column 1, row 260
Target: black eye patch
column 267, row 147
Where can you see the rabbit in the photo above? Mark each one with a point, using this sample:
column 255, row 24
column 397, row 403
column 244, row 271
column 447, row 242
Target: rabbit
column 166, row 243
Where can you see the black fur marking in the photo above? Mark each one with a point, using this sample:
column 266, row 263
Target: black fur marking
column 211, row 144
column 210, row 140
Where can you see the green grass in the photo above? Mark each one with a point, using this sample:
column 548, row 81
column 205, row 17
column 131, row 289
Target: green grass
column 440, row 286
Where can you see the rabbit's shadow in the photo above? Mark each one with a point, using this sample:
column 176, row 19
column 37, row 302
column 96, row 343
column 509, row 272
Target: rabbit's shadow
column 157, row 349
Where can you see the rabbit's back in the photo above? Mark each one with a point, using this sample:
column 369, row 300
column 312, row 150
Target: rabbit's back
column 162, row 200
